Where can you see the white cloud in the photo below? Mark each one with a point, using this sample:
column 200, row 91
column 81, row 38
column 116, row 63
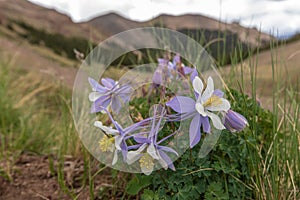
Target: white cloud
column 145, row 9
column 283, row 16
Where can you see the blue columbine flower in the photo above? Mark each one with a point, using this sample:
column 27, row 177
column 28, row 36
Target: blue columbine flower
column 167, row 70
column 207, row 101
column 161, row 73
column 234, row 122
column 149, row 150
column 114, row 140
column 177, row 65
column 191, row 71
column 183, row 69
column 109, row 93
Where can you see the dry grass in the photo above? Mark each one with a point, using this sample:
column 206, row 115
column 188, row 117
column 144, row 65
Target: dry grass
column 37, row 59
column 286, row 66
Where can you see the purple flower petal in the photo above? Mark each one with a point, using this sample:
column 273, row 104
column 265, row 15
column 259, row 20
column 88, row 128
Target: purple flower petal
column 124, row 150
column 205, row 124
column 182, row 104
column 171, row 66
column 235, row 121
column 162, row 61
column 126, row 89
column 176, row 59
column 167, row 159
column 125, row 93
column 195, row 133
column 125, row 97
column 96, row 86
column 218, row 93
column 136, row 146
column 168, row 149
column 141, row 139
column 116, row 105
column 194, row 74
column 100, row 103
column 187, row 70
column 117, row 126
column 157, row 77
column 108, row 82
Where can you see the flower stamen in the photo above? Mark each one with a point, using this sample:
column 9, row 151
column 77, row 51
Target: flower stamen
column 107, row 144
column 213, row 101
column 146, row 162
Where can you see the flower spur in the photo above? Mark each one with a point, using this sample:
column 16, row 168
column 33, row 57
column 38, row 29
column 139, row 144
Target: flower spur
column 149, row 150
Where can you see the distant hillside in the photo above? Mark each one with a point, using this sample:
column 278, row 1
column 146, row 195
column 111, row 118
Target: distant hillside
column 109, row 24
column 202, row 29
column 58, row 43
column 43, row 18
column 47, row 27
column 113, row 23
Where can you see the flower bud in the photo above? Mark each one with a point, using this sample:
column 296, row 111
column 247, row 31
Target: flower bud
column 234, row 122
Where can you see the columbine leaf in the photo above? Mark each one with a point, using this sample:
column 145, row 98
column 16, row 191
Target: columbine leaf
column 136, row 184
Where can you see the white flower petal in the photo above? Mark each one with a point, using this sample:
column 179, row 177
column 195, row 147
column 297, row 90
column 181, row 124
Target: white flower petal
column 209, row 90
column 151, row 150
column 106, row 129
column 115, row 159
column 198, row 85
column 117, row 84
column 118, row 140
column 98, row 124
column 216, row 121
column 142, row 148
column 93, row 96
column 224, row 106
column 199, row 107
column 133, row 156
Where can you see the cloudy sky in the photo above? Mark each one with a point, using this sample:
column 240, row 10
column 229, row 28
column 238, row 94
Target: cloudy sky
column 279, row 16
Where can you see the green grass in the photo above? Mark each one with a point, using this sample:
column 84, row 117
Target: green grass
column 275, row 163
column 35, row 106
column 35, row 118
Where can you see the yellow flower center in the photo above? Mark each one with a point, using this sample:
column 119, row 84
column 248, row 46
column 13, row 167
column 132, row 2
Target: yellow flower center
column 107, row 144
column 146, row 162
column 213, row 101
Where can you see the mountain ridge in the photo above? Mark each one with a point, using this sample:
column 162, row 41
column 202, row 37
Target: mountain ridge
column 101, row 27
column 177, row 22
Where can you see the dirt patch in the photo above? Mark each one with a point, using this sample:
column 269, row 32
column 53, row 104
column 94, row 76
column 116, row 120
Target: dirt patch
column 31, row 178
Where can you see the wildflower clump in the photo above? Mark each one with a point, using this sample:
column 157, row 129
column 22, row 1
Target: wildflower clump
column 146, row 143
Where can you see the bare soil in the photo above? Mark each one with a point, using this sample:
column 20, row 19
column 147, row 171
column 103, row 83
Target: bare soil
column 31, row 179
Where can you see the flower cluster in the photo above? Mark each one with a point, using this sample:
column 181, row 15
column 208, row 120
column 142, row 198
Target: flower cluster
column 110, row 93
column 167, row 70
column 145, row 141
